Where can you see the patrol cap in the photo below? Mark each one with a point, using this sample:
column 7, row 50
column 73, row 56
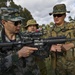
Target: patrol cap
column 59, row 9
column 11, row 14
column 31, row 22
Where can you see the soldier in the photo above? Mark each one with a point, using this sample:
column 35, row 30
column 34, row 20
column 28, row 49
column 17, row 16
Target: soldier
column 12, row 61
column 63, row 57
column 32, row 26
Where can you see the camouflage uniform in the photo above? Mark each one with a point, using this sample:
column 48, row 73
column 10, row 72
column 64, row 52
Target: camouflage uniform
column 39, row 61
column 10, row 64
column 63, row 63
column 47, row 60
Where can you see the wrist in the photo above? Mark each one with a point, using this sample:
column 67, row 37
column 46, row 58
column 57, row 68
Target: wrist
column 19, row 54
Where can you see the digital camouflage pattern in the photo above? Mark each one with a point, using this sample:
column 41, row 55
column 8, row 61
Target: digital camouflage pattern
column 10, row 64
column 16, row 66
column 11, row 14
column 63, row 63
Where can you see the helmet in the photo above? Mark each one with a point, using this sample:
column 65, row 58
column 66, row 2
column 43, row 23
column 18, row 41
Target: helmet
column 11, row 14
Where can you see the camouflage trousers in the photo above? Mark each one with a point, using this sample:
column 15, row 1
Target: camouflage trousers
column 31, row 66
column 64, row 66
column 48, row 65
column 44, row 65
column 27, row 66
column 41, row 63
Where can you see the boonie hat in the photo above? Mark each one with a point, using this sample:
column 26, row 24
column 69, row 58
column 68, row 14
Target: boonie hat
column 59, row 9
column 31, row 22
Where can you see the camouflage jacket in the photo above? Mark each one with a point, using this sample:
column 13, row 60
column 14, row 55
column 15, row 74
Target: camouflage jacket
column 10, row 64
column 68, row 30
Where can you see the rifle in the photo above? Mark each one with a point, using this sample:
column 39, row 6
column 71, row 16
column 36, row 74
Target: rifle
column 43, row 44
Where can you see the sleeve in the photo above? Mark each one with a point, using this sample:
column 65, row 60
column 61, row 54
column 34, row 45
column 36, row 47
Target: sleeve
column 11, row 59
column 73, row 34
column 8, row 61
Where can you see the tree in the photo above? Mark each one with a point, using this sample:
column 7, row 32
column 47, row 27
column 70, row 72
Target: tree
column 27, row 15
column 70, row 18
column 24, row 12
column 13, row 5
column 3, row 3
column 51, row 23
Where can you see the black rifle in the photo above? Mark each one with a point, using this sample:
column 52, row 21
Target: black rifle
column 43, row 44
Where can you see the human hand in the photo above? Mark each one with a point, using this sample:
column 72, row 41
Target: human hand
column 55, row 48
column 26, row 51
column 68, row 46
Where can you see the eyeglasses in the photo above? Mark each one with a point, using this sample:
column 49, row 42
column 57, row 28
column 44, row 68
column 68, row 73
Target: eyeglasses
column 17, row 22
column 58, row 15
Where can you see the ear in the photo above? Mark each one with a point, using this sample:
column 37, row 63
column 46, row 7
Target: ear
column 3, row 22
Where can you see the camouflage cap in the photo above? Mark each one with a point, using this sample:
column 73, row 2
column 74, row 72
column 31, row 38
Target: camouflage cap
column 31, row 22
column 59, row 9
column 10, row 14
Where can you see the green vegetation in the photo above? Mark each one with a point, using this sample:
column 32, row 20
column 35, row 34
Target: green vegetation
column 23, row 11
column 27, row 14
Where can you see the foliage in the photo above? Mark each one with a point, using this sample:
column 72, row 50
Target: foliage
column 23, row 11
column 26, row 14
column 51, row 23
column 3, row 3
column 71, row 19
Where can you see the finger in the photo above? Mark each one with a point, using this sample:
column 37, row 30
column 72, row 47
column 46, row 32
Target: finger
column 28, row 53
column 59, row 44
column 58, row 50
column 53, row 50
column 32, row 49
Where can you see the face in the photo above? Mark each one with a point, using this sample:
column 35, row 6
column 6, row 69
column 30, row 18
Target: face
column 59, row 18
column 12, row 27
column 32, row 28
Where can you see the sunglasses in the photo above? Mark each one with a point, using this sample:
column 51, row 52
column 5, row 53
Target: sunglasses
column 58, row 15
column 17, row 22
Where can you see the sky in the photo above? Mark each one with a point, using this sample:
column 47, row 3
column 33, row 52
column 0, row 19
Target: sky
column 40, row 9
